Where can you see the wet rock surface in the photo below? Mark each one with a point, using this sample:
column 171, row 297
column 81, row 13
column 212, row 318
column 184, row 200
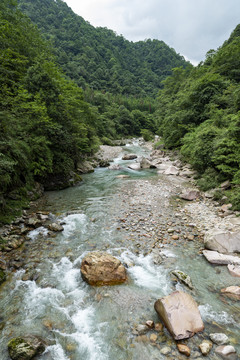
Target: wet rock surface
column 99, row 268
column 180, row 314
column 25, row 347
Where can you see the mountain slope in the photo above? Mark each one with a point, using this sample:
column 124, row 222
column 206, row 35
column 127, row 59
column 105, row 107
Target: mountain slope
column 97, row 57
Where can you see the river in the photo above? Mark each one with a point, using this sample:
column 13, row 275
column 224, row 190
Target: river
column 82, row 322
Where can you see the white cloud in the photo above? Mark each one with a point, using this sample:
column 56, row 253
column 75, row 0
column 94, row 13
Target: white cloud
column 191, row 27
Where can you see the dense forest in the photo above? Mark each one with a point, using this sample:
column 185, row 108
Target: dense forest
column 97, row 57
column 67, row 87
column 199, row 113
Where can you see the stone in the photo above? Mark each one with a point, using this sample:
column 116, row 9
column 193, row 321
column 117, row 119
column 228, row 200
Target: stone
column 135, row 166
column 165, row 350
column 225, row 185
column 234, row 270
column 141, row 329
column 55, row 227
column 205, row 347
column 226, row 207
column 85, row 167
column 100, row 268
column 175, row 237
column 180, row 314
column 25, row 347
column 150, row 324
column 129, row 157
column 222, row 241
column 171, row 170
column 158, row 327
column 184, row 278
column 226, row 352
column 122, row 176
column 153, row 338
column 114, row 167
column 146, row 164
column 184, row 349
column 220, row 259
column 190, row 195
column 219, row 338
column 232, row 291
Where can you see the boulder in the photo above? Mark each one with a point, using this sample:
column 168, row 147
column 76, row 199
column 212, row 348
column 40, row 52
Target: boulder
column 234, row 270
column 114, row 167
column 220, row 259
column 25, row 347
column 129, row 157
column 85, row 167
column 180, row 314
column 135, row 166
column 222, row 241
column 190, row 195
column 171, row 170
column 122, row 176
column 184, row 278
column 146, row 164
column 232, row 291
column 55, row 227
column 219, row 338
column 226, row 352
column 225, row 185
column 99, row 268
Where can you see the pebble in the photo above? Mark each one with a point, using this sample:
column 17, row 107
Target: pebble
column 184, row 349
column 205, row 347
column 165, row 350
column 219, row 338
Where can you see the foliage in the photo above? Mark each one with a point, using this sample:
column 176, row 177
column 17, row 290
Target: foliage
column 147, row 135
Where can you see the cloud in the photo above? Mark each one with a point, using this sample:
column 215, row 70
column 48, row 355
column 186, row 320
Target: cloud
column 191, row 27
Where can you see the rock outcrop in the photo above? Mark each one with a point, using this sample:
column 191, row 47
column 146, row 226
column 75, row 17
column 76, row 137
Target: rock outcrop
column 135, row 166
column 129, row 157
column 190, row 195
column 234, row 270
column 180, row 314
column 99, row 268
column 184, row 278
column 25, row 347
column 222, row 241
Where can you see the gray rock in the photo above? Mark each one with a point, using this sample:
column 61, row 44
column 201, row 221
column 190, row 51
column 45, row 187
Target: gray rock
column 234, row 270
column 25, row 347
column 165, row 350
column 219, row 338
column 146, row 164
column 221, row 259
column 135, row 166
column 190, row 195
column 55, row 227
column 184, row 278
column 222, row 241
column 114, row 167
column 171, row 170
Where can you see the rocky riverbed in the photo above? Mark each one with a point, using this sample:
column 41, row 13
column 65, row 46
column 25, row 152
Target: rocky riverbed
column 152, row 223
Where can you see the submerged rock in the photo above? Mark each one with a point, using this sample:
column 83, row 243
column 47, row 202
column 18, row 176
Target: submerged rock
column 184, row 278
column 205, row 347
column 55, row 227
column 221, row 259
column 222, row 241
column 25, row 347
column 99, row 268
column 180, row 314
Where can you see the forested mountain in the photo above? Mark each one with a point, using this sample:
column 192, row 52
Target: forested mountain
column 199, row 112
column 97, row 57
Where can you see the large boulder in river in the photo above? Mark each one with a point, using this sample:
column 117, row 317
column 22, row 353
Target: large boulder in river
column 146, row 164
column 190, row 195
column 180, row 314
column 25, row 347
column 100, row 268
column 135, row 166
column 222, row 241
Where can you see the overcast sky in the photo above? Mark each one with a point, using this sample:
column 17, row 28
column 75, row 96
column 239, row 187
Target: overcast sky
column 191, row 27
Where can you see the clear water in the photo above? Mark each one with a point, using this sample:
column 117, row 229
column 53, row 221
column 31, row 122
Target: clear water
column 82, row 322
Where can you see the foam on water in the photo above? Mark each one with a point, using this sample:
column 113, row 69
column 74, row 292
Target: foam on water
column 66, row 275
column 36, row 232
column 74, row 221
column 145, row 273
column 221, row 317
column 56, row 352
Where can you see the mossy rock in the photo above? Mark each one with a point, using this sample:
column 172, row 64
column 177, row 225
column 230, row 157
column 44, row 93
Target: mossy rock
column 26, row 347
